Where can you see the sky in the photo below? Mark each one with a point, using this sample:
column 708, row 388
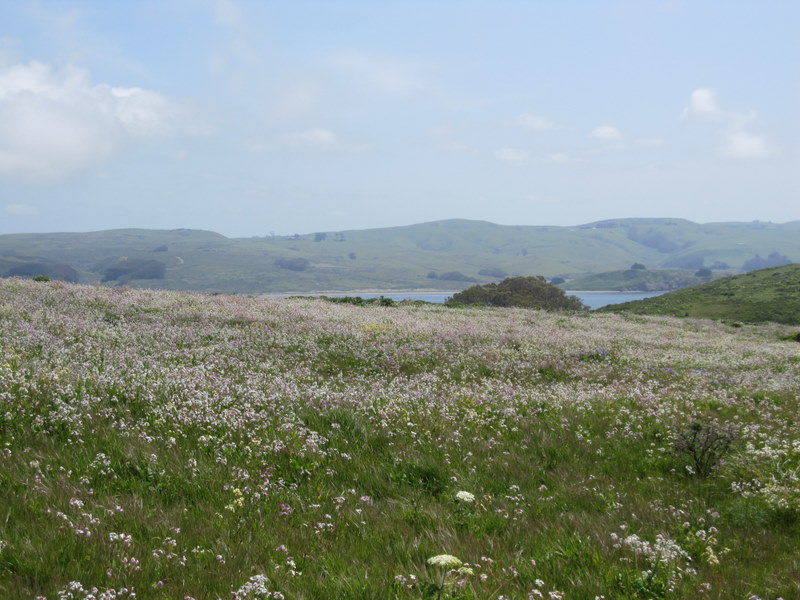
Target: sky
column 260, row 117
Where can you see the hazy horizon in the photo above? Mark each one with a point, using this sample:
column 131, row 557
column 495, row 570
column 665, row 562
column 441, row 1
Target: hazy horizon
column 306, row 232
column 249, row 117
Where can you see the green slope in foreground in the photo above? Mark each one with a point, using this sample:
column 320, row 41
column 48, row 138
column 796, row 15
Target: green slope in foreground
column 758, row 296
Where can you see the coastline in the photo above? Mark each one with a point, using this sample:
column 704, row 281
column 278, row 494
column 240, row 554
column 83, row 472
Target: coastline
column 355, row 292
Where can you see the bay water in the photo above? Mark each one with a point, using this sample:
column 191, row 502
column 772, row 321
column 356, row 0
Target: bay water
column 591, row 299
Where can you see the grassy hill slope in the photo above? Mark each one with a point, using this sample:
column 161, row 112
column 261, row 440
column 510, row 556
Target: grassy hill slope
column 758, row 296
column 404, row 257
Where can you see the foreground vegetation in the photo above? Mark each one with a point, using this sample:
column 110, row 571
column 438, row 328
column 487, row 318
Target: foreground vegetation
column 755, row 297
column 169, row 445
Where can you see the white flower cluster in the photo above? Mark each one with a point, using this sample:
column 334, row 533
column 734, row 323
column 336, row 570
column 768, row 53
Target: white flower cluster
column 256, row 589
column 465, row 497
column 446, row 561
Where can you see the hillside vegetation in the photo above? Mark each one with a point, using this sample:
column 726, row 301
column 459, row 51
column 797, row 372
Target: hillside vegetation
column 170, row 445
column 443, row 255
column 758, row 296
column 637, row 280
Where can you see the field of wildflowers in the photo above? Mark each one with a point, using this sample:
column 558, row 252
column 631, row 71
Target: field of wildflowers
column 179, row 446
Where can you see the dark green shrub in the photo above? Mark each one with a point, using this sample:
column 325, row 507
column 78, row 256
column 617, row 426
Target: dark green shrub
column 292, row 264
column 526, row 292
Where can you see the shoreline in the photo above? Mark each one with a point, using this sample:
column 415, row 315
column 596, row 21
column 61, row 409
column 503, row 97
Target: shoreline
column 357, row 292
column 427, row 291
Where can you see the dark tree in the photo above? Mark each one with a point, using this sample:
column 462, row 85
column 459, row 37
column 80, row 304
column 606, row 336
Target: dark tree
column 456, row 276
column 292, row 264
column 773, row 260
column 637, row 266
column 493, row 272
column 526, row 292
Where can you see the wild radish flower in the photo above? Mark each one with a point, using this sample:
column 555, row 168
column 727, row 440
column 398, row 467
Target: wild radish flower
column 465, row 497
column 446, row 561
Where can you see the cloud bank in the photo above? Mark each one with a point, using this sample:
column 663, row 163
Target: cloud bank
column 53, row 121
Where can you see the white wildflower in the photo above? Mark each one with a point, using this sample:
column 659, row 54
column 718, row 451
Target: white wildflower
column 447, row 561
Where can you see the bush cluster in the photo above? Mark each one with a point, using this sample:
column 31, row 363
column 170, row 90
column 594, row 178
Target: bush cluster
column 526, row 292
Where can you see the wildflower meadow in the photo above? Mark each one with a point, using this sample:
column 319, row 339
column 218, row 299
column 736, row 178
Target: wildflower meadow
column 163, row 445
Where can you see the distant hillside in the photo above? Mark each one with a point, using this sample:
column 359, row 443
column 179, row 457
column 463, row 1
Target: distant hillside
column 443, row 255
column 758, row 296
column 637, row 280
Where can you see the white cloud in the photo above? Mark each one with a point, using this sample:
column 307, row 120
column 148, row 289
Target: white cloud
column 297, row 99
column 227, row 12
column 558, row 158
column 737, row 141
column 745, row 145
column 321, row 139
column 511, row 154
column 537, row 123
column 386, row 75
column 455, row 146
column 317, row 138
column 54, row 121
column 702, row 103
column 606, row 132
column 20, row 209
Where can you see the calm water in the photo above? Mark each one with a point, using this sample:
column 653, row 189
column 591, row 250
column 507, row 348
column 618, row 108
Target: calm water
column 590, row 299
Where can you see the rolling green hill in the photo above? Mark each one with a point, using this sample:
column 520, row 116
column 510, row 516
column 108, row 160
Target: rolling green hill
column 758, row 296
column 443, row 255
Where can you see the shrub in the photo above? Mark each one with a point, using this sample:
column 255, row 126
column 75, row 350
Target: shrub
column 527, row 292
column 292, row 264
column 493, row 272
column 773, row 260
column 456, row 276
column 705, row 445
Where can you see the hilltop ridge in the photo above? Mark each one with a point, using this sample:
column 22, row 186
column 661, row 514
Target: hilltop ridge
column 443, row 255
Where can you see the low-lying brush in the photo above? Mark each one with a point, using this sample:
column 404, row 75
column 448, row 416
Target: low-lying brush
column 164, row 445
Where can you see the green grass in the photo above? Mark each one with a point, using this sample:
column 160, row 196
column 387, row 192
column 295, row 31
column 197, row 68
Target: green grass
column 755, row 297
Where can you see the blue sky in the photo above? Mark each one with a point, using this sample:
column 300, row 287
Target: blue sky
column 252, row 117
